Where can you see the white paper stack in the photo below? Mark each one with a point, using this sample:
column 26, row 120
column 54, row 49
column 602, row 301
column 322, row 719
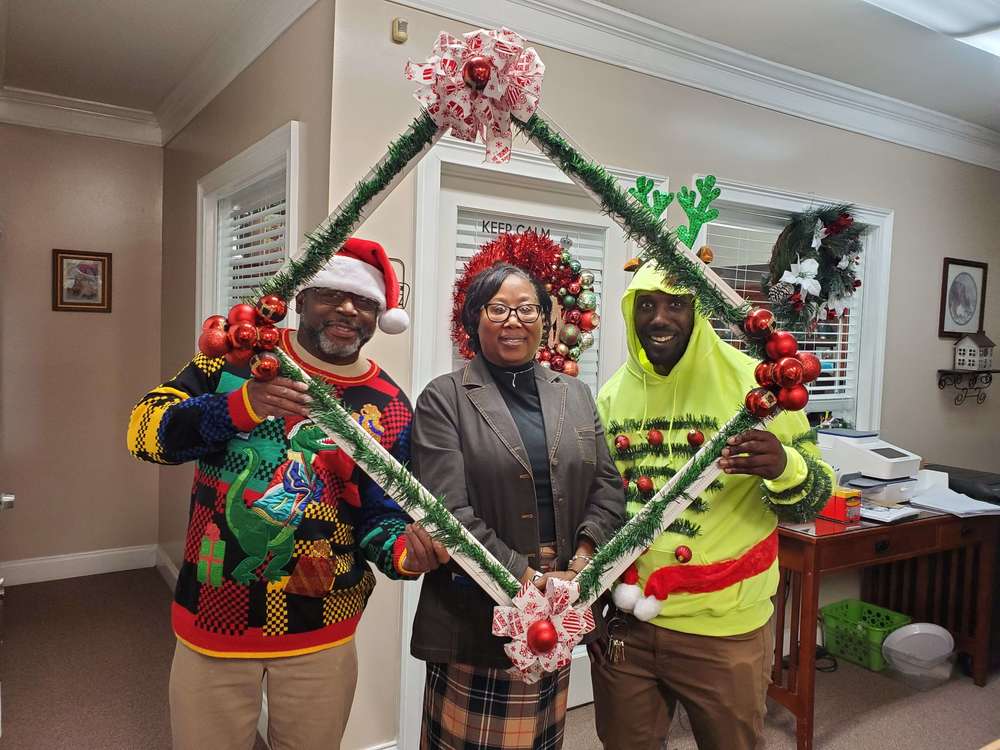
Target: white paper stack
column 948, row 501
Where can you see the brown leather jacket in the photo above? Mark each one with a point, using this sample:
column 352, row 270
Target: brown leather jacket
column 467, row 450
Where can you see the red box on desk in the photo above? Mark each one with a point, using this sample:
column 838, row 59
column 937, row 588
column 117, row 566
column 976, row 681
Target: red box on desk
column 844, row 506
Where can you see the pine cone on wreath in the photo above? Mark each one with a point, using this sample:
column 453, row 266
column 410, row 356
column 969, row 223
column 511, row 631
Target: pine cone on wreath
column 780, row 292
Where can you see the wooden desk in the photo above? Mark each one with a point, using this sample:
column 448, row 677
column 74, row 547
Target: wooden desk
column 935, row 568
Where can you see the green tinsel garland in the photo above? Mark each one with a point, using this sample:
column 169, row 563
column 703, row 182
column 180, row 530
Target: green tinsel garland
column 396, row 479
column 658, row 243
column 818, row 488
column 685, row 422
column 640, row 532
column 327, row 239
column 635, row 452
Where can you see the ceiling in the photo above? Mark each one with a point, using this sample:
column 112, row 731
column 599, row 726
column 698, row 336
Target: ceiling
column 128, row 53
column 850, row 41
column 141, row 69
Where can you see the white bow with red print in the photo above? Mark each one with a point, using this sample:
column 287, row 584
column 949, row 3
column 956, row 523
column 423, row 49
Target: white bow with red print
column 543, row 629
column 474, row 84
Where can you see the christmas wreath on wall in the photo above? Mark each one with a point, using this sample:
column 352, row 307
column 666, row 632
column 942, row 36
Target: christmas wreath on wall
column 575, row 317
column 813, row 269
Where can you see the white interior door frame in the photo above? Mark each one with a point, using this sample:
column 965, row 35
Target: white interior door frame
column 535, row 170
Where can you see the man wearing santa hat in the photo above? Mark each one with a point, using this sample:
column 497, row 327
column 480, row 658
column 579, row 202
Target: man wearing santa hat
column 282, row 524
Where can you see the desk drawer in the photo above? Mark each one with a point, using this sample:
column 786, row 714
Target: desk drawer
column 965, row 531
column 875, row 546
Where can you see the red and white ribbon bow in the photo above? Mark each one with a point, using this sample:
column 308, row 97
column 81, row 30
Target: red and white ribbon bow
column 514, row 86
column 531, row 608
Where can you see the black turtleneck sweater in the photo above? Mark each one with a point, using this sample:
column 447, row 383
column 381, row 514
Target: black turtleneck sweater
column 520, row 393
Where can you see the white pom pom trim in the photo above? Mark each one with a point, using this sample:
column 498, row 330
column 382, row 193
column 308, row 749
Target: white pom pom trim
column 394, row 320
column 625, row 596
column 647, row 608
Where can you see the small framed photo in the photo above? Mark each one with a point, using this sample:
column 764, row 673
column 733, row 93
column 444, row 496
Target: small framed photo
column 963, row 298
column 81, row 282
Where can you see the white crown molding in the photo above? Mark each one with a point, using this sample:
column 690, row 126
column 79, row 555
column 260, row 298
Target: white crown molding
column 254, row 29
column 56, row 567
column 38, row 109
column 599, row 32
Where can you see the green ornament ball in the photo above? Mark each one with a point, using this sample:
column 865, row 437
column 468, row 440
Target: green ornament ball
column 586, row 340
column 587, row 279
column 568, row 301
column 569, row 334
column 574, row 266
column 575, row 353
column 587, row 300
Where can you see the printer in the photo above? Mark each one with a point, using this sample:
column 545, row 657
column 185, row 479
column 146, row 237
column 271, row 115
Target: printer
column 883, row 472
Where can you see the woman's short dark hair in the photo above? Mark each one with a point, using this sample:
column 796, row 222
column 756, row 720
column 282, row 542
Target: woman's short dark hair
column 481, row 290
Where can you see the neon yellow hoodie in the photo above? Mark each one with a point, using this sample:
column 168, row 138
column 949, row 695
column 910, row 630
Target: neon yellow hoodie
column 703, row 391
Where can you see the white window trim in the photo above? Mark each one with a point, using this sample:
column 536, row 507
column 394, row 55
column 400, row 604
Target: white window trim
column 451, row 152
column 279, row 149
column 875, row 302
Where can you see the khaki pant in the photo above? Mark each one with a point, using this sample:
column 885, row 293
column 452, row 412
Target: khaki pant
column 721, row 682
column 215, row 703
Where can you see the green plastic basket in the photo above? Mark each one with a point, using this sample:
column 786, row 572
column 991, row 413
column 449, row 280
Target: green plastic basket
column 854, row 630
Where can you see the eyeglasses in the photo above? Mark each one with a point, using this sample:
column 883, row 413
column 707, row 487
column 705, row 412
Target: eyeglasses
column 498, row 312
column 337, row 297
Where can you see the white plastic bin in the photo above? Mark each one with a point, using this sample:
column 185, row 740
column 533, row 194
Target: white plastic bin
column 922, row 654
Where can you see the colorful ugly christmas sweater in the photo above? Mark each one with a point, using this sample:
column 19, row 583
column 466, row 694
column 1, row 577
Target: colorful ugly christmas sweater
column 715, row 569
column 281, row 521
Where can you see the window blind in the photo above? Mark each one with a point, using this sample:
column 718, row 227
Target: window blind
column 474, row 231
column 742, row 240
column 251, row 238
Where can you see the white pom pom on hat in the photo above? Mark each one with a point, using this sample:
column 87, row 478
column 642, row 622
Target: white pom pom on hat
column 362, row 267
column 647, row 608
column 625, row 596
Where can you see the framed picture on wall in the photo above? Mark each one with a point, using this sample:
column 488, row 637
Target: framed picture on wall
column 963, row 298
column 81, row 281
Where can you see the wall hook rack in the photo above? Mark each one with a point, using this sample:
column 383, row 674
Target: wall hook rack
column 967, row 383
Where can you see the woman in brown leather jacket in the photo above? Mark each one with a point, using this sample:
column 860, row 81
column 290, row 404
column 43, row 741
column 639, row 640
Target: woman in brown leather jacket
column 518, row 455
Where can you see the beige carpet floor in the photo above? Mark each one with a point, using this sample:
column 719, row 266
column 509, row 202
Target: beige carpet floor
column 85, row 662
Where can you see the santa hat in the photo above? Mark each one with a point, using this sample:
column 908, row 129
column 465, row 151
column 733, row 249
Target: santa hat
column 362, row 267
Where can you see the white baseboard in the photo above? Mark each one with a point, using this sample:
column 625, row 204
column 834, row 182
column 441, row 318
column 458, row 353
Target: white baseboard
column 55, row 567
column 166, row 568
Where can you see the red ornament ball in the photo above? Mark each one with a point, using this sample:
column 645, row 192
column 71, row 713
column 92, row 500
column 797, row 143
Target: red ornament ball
column 794, row 398
column 682, row 554
column 624, row 483
column 544, row 355
column 268, row 337
column 856, row 284
column 644, row 484
column 213, row 343
column 476, row 72
column 243, row 335
column 571, row 368
column 760, row 402
column 781, row 344
column 589, row 320
column 214, row 321
column 239, row 357
column 264, row 366
column 695, row 438
column 764, row 374
column 759, row 322
column 574, row 288
column 788, row 371
column 242, row 313
column 810, row 366
column 622, row 443
column 573, row 317
column 655, row 437
column 557, row 362
column 541, row 636
column 272, row 308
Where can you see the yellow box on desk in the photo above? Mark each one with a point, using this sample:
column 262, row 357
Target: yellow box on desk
column 844, row 506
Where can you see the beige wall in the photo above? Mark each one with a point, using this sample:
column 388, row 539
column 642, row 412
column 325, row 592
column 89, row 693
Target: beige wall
column 70, row 379
column 942, row 207
column 289, row 81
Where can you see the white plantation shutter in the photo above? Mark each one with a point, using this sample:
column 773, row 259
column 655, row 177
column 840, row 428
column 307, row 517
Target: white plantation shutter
column 473, row 232
column 252, row 241
column 741, row 240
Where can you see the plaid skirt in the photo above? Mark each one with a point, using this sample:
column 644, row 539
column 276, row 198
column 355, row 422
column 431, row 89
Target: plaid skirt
column 478, row 708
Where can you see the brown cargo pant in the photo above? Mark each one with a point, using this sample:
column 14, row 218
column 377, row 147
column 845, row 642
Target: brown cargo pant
column 721, row 682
